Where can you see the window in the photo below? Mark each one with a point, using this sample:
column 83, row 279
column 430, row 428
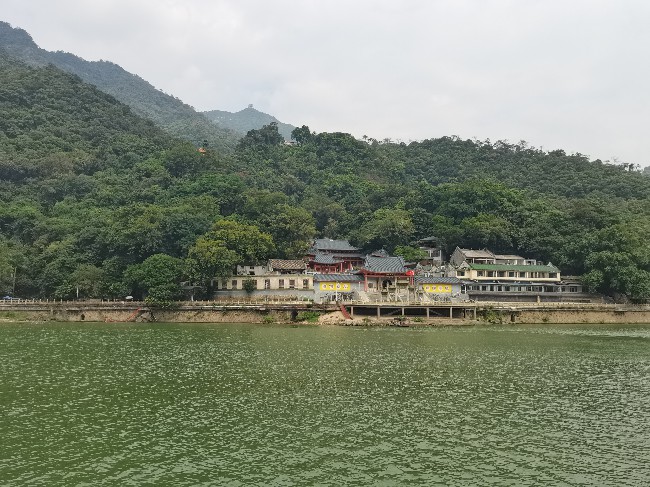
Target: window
column 511, row 274
column 480, row 273
column 305, row 283
column 224, row 284
column 267, row 283
column 281, row 284
column 234, row 284
column 292, row 284
column 573, row 289
column 460, row 273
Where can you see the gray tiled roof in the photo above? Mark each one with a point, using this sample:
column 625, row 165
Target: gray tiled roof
column 287, row 264
column 338, row 277
column 332, row 245
column 349, row 255
column 436, row 280
column 385, row 265
column 321, row 258
column 477, row 254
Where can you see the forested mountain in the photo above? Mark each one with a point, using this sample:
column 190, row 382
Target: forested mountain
column 164, row 110
column 248, row 119
column 95, row 198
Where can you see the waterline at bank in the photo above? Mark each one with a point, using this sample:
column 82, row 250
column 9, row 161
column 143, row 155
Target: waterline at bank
column 407, row 314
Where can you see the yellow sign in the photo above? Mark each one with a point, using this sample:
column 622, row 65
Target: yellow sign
column 436, row 288
column 334, row 286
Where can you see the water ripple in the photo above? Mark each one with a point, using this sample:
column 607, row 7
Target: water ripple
column 268, row 405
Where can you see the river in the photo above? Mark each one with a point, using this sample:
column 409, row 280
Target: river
column 265, row 405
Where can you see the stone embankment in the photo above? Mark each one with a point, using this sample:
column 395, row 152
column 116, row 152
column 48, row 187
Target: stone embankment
column 384, row 314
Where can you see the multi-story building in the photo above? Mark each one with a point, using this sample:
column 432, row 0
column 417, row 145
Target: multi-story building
column 487, row 276
column 327, row 256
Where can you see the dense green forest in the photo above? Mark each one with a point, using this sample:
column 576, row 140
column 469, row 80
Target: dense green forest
column 97, row 199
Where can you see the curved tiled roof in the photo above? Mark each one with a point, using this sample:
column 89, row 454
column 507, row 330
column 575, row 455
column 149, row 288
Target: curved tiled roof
column 321, row 258
column 437, row 280
column 385, row 265
column 332, row 245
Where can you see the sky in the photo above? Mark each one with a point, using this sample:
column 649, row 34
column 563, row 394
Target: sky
column 558, row 74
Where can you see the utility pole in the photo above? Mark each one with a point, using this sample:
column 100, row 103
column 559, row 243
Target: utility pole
column 13, row 288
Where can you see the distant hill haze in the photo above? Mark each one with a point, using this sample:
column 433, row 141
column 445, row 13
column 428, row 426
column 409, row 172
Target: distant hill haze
column 166, row 111
column 247, row 119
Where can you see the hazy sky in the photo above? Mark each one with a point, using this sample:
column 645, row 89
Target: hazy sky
column 569, row 74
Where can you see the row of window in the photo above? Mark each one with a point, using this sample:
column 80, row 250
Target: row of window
column 516, row 289
column 235, row 284
column 514, row 274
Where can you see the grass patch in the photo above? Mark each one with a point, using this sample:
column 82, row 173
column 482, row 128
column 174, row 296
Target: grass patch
column 308, row 316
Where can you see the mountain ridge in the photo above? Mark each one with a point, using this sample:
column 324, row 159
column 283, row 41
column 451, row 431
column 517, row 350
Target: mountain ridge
column 166, row 111
column 247, row 119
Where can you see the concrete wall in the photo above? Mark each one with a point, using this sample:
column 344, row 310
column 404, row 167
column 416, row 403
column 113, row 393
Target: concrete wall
column 505, row 316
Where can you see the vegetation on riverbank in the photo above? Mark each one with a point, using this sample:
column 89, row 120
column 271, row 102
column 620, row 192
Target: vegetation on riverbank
column 96, row 201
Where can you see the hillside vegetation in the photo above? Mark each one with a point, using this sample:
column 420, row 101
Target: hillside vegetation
column 164, row 110
column 98, row 201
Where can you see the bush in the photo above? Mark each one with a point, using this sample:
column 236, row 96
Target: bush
column 249, row 286
column 309, row 316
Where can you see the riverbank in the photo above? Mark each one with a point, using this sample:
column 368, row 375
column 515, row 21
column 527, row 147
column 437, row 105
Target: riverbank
column 385, row 314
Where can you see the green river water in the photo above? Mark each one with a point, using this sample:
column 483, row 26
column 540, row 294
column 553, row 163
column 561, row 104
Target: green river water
column 220, row 404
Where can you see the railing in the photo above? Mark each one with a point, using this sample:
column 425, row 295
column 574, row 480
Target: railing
column 212, row 302
column 563, row 305
column 296, row 300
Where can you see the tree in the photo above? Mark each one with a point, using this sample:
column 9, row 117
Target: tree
column 387, row 229
column 247, row 241
column 89, row 280
column 616, row 273
column 249, row 286
column 292, row 228
column 487, row 231
column 410, row 254
column 302, row 134
column 184, row 159
column 159, row 274
column 265, row 137
column 208, row 259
